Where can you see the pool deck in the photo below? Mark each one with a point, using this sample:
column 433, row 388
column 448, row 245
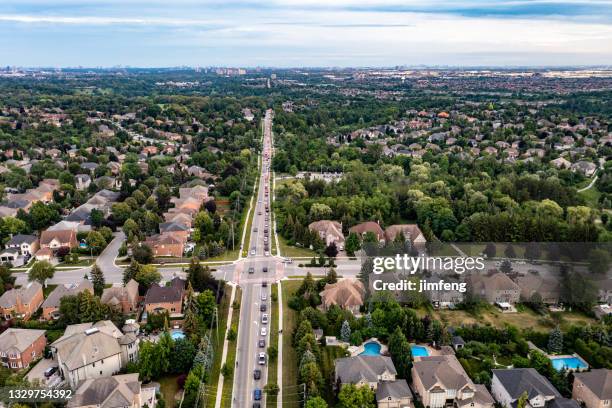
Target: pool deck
column 357, row 350
column 570, row 356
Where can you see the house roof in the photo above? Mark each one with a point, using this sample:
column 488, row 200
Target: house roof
column 518, row 380
column 444, row 371
column 162, row 294
column 25, row 294
column 344, row 293
column 107, row 392
column 61, row 236
column 22, row 239
column 599, row 381
column 363, row 368
column 410, row 231
column 55, row 297
column 494, row 282
column 116, row 294
column 369, row 226
column 19, row 339
column 328, row 227
column 393, row 390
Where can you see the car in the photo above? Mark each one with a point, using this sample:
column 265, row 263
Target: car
column 265, row 269
column 262, row 358
column 257, row 394
column 264, row 331
column 255, row 229
column 265, row 238
column 258, row 212
column 252, row 252
column 263, row 307
column 50, row 371
column 261, row 343
column 266, row 253
column 257, row 374
column 251, row 270
column 264, row 318
column 264, row 297
column 256, row 405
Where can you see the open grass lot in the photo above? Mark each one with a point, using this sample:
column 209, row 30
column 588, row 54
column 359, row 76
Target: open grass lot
column 291, row 394
column 591, row 196
column 169, row 387
column 217, row 340
column 524, row 319
column 228, row 382
column 273, row 364
column 293, row 251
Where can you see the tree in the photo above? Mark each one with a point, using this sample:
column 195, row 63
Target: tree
column 490, row 250
column 599, row 261
column 555, row 341
column 401, row 354
column 206, row 305
column 97, row 279
column 331, row 250
column 41, row 271
column 142, row 254
column 131, row 271
column 351, row 396
column 345, row 331
column 522, row 401
column 352, row 244
column 310, row 374
column 131, row 228
column 316, row 402
column 271, row 389
column 147, row 275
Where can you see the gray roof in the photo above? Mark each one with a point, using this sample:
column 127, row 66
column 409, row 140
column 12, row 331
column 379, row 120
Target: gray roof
column 393, row 389
column 107, row 392
column 363, row 368
column 518, row 380
column 22, row 239
column 9, row 298
column 19, row 339
column 54, row 298
column 598, row 381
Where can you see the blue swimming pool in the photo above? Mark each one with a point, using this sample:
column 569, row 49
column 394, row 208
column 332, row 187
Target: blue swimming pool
column 177, row 334
column 568, row 363
column 371, row 349
column 419, row 351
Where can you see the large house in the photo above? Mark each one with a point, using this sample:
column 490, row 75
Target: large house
column 51, row 305
column 55, row 239
column 495, row 288
column 394, row 394
column 507, row 386
column 122, row 298
column 411, row 232
column 593, row 388
column 166, row 244
column 26, row 244
column 440, row 381
column 117, row 391
column 364, row 370
column 22, row 302
column 93, row 350
column 348, row 294
column 368, row 227
column 19, row 347
column 548, row 289
column 169, row 298
column 329, row 231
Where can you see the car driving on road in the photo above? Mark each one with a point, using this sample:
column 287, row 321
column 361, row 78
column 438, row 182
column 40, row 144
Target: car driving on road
column 262, row 358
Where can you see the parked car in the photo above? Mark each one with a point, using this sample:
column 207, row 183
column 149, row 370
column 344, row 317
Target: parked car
column 257, row 374
column 50, row 371
column 257, row 394
column 261, row 343
column 263, row 307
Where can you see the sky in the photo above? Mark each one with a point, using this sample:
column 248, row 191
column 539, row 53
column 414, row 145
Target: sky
column 305, row 33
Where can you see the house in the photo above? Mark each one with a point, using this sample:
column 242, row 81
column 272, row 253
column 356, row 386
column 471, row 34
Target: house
column 329, row 231
column 166, row 244
column 11, row 256
column 21, row 303
column 55, row 239
column 44, row 254
column 122, row 298
column 495, row 287
column 441, row 381
column 369, row 226
column 51, row 305
column 26, row 244
column 169, row 298
column 364, row 370
column 19, row 347
column 593, row 389
column 117, row 391
column 561, row 163
column 411, row 232
column 348, row 294
column 507, row 386
column 584, row 167
column 93, row 350
column 83, row 181
column 548, row 289
column 176, row 229
column 394, row 394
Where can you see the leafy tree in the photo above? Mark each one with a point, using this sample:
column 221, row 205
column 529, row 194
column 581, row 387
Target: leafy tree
column 316, row 402
column 147, row 275
column 401, row 354
column 41, row 271
column 131, row 271
column 352, row 244
column 142, row 254
column 351, row 396
column 97, row 279
column 206, row 305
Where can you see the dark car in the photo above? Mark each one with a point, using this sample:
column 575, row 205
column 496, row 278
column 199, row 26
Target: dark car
column 256, row 405
column 265, row 269
column 257, row 374
column 264, row 284
column 261, row 343
column 263, row 307
column 50, row 371
column 251, row 270
column 257, row 394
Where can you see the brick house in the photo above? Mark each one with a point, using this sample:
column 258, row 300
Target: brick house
column 51, row 305
column 19, row 347
column 55, row 239
column 23, row 302
column 166, row 244
column 122, row 298
column 169, row 298
column 593, row 388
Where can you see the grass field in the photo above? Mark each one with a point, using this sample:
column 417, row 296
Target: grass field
column 291, row 391
column 293, row 251
column 273, row 364
column 591, row 196
column 230, row 361
column 168, row 388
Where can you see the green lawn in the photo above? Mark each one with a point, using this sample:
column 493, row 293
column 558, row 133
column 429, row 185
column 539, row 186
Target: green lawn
column 228, row 382
column 273, row 364
column 591, row 196
column 293, row 251
column 226, row 256
column 169, row 388
column 291, row 391
column 48, row 290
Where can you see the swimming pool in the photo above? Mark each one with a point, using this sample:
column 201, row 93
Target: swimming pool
column 568, row 363
column 419, row 351
column 177, row 334
column 371, row 349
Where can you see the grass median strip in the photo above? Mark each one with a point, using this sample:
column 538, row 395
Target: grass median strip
column 230, row 361
column 273, row 346
column 291, row 391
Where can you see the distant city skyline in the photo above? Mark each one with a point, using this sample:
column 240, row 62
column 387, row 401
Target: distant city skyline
column 306, row 33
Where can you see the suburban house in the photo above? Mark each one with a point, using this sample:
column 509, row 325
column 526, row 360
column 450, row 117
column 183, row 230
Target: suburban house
column 367, row 371
column 55, row 239
column 19, row 347
column 593, row 388
column 122, row 298
column 116, row 391
column 507, row 386
column 584, row 167
column 21, row 303
column 26, row 244
column 548, row 289
column 495, row 288
column 82, row 181
column 169, row 298
column 51, row 305
column 370, row 226
column 441, row 381
column 329, row 231
column 166, row 244
column 348, row 294
column 394, row 394
column 11, row 256
column 411, row 233
column 93, row 350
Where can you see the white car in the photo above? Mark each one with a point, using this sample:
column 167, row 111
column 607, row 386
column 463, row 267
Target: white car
column 267, row 253
column 252, row 252
column 264, row 318
column 262, row 358
column 264, row 296
column 264, row 331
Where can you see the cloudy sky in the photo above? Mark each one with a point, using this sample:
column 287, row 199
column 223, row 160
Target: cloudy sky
column 292, row 33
